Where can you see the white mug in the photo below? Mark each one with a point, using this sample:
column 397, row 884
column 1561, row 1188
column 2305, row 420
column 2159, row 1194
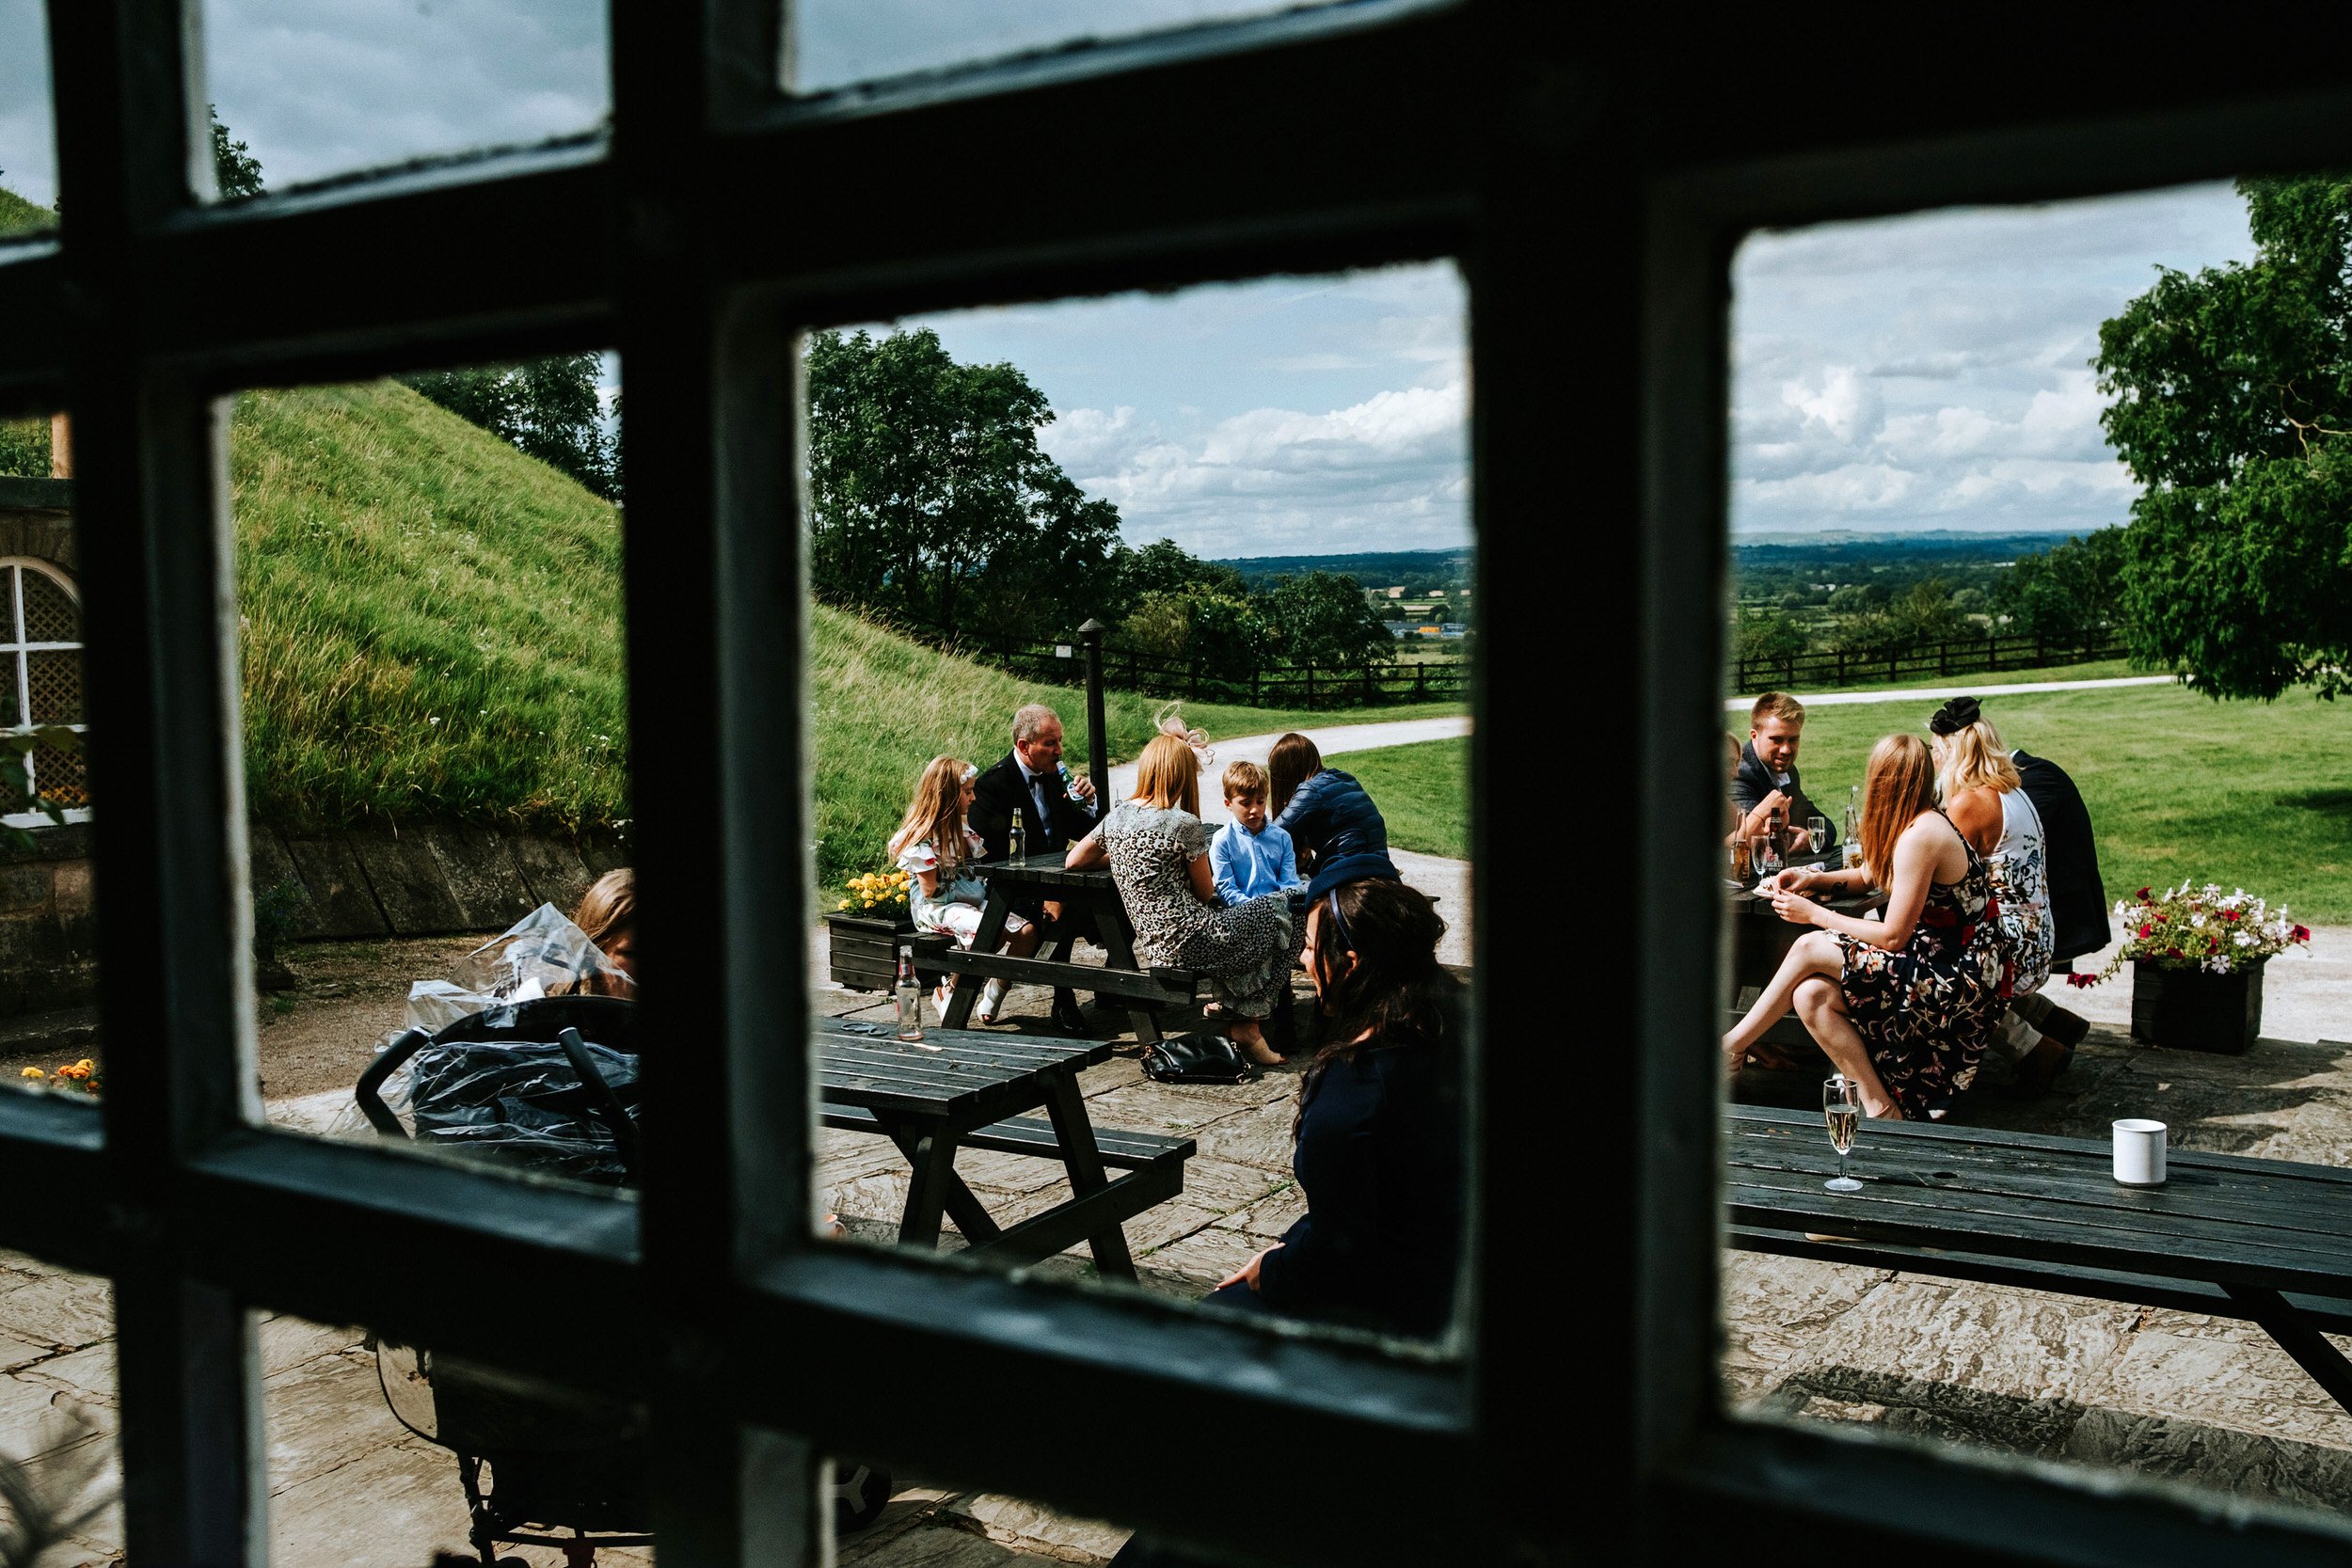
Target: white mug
column 2140, row 1152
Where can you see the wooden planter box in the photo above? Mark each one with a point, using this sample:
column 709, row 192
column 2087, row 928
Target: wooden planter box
column 2190, row 1009
column 866, row 948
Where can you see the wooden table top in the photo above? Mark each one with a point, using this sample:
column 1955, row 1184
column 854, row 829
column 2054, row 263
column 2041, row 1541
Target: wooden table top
column 951, row 1072
column 1041, row 870
column 2221, row 1218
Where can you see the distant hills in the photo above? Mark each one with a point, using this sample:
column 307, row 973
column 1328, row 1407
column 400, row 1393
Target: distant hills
column 1372, row 568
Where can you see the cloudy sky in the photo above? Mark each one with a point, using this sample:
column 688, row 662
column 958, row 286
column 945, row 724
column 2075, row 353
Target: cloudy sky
column 1932, row 370
column 1928, row 372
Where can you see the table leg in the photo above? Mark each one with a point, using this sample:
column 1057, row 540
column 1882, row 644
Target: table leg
column 1118, row 945
column 963, row 1205
column 990, row 936
column 933, row 1163
column 1084, row 1161
column 2312, row 1351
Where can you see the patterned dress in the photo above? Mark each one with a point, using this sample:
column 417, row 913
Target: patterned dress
column 2020, row 881
column 1926, row 1012
column 1247, row 951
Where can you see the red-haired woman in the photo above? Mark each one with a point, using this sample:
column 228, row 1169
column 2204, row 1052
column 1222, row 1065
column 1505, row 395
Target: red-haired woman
column 1905, row 1003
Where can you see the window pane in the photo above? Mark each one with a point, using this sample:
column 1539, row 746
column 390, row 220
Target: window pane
column 1257, row 494
column 315, row 88
column 429, row 585
column 836, row 42
column 1932, row 499
column 58, row 1413
column 28, row 149
column 378, row 1450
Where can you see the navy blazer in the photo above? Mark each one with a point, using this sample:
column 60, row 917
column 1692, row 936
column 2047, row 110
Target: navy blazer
column 1754, row 780
column 2078, row 897
column 1379, row 1160
column 1330, row 816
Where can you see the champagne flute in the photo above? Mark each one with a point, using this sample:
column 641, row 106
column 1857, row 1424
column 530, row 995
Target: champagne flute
column 1818, row 828
column 1841, row 1107
column 1766, row 856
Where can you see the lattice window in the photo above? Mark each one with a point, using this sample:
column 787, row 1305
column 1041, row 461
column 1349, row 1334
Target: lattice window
column 40, row 662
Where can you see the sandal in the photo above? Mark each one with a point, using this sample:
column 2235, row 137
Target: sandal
column 992, row 998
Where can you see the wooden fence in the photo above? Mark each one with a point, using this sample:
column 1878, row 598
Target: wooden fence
column 1309, row 687
column 1965, row 657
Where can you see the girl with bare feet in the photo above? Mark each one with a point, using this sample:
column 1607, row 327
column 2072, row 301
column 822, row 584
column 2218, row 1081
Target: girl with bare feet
column 1903, row 1003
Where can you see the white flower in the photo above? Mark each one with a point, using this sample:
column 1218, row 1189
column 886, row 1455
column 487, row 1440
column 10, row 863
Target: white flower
column 2218, row 965
column 433, row 719
column 2196, row 920
column 2245, row 941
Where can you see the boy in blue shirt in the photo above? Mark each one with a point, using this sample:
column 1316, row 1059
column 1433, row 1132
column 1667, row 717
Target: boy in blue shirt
column 1249, row 856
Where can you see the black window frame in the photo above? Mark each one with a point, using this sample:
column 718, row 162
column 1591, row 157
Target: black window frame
column 1592, row 186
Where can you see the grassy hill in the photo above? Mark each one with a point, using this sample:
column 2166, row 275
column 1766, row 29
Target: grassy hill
column 431, row 630
column 20, row 216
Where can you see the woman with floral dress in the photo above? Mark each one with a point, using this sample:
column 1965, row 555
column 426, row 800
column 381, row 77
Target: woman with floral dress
column 1903, row 1003
column 1157, row 849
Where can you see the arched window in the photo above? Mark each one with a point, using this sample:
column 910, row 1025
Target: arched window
column 41, row 676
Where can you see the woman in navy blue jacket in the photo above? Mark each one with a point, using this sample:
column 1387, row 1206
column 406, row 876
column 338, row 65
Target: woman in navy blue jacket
column 1326, row 811
column 1378, row 1128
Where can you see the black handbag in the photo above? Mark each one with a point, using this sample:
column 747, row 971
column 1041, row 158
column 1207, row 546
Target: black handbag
column 1197, row 1058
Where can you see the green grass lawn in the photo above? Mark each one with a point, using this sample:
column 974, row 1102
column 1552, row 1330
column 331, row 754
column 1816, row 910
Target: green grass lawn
column 1420, row 790
column 2242, row 794
column 2096, row 670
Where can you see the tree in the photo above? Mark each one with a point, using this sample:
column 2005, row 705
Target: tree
column 2231, row 404
column 1971, row 602
column 1925, row 613
column 2070, row 595
column 1224, row 632
column 931, row 499
column 549, row 409
column 235, row 170
column 1766, row 636
column 1856, row 597
column 1321, row 619
column 1164, row 567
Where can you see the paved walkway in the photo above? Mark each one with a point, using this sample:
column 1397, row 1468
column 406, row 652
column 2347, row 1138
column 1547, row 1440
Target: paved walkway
column 1331, row 740
column 1936, row 695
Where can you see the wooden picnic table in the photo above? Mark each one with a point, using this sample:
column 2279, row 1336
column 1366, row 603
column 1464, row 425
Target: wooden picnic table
column 966, row 1089
column 1083, row 894
column 2262, row 1241
column 1760, row 940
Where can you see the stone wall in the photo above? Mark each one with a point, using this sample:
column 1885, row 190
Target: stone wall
column 415, row 881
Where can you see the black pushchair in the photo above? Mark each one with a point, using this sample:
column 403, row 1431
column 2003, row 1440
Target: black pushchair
column 550, row 1083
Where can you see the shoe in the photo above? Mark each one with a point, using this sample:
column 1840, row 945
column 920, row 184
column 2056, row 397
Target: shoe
column 2039, row 1067
column 1067, row 1018
column 2066, row 1028
column 992, row 998
column 941, row 995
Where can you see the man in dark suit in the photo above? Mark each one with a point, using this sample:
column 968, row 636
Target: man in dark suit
column 1766, row 784
column 1055, row 815
column 2078, row 897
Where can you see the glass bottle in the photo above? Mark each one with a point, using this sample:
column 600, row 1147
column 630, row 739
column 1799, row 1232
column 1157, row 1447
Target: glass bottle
column 1017, row 850
column 909, row 998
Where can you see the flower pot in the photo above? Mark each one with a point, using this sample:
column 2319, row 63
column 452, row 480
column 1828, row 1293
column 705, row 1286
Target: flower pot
column 865, row 954
column 2194, row 1010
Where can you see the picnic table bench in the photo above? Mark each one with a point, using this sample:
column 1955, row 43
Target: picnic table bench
column 2261, row 1241
column 964, row 1089
column 1082, row 894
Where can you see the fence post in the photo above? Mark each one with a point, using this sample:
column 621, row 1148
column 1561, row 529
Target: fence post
column 2041, row 657
column 1311, row 687
column 1367, row 683
column 1992, row 650
column 1420, row 681
column 1943, row 658
column 1192, row 679
column 1255, row 701
column 1098, row 730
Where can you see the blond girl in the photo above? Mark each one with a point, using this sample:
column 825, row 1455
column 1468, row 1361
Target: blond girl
column 936, row 848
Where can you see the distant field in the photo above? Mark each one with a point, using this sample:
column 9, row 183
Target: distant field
column 2242, row 794
column 2106, row 669
column 1420, row 790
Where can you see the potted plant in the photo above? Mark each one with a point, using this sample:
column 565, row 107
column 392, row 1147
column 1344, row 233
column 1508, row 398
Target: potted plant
column 867, row 928
column 2197, row 957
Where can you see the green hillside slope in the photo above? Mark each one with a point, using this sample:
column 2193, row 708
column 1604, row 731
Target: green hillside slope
column 432, row 632
column 20, row 216
column 431, row 620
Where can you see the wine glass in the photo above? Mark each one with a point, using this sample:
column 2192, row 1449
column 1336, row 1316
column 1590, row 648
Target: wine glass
column 1841, row 1107
column 1766, row 856
column 1818, row 828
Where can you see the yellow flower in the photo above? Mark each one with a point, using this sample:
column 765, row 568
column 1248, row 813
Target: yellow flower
column 33, row 1072
column 845, row 903
column 86, row 1064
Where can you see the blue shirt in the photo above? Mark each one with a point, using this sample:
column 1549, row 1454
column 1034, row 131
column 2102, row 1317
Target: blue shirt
column 1246, row 864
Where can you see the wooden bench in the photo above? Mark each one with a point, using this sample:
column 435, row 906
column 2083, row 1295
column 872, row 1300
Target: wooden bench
column 2266, row 1242
column 1148, row 990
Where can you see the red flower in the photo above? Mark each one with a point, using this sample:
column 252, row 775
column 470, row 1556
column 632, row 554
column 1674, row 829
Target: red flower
column 2173, row 953
column 2302, row 933
column 2081, row 980
column 2141, row 896
column 2229, row 914
column 2145, row 930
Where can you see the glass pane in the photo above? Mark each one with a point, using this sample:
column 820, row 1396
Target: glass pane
column 54, row 679
column 58, row 1413
column 2001, row 478
column 378, row 1451
column 836, row 42
column 50, row 614
column 29, row 149
column 1258, row 495
column 429, row 585
column 304, row 90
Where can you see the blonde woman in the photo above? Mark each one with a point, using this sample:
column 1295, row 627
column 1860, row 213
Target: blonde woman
column 1987, row 802
column 1157, row 849
column 936, row 848
column 1902, row 1005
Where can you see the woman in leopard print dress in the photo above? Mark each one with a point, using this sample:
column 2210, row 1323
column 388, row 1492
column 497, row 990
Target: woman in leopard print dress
column 1157, row 849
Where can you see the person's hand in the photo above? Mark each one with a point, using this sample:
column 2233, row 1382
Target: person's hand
column 1082, row 789
column 1247, row 1271
column 1792, row 881
column 1800, row 841
column 1794, row 908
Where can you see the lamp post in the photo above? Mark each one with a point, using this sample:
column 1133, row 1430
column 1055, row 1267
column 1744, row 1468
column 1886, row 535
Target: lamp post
column 1098, row 742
